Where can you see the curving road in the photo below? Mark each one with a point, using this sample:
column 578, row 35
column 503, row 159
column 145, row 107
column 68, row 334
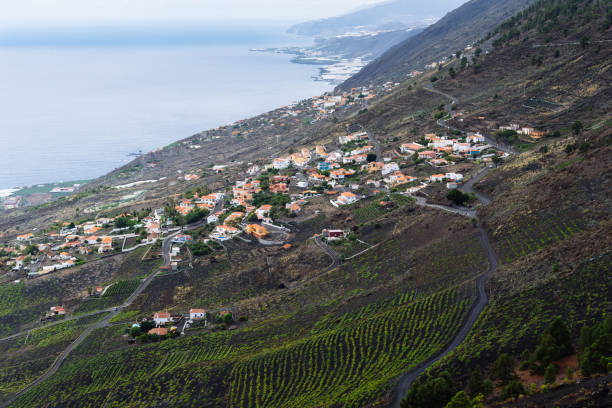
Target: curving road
column 408, row 378
column 166, row 244
column 441, row 122
column 404, row 382
column 333, row 254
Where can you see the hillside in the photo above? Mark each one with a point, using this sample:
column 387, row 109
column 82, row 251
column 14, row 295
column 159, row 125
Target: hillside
column 392, row 15
column 477, row 268
column 460, row 27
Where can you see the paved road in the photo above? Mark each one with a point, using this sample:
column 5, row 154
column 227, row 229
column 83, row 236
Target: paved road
column 333, row 254
column 469, row 187
column 167, row 243
column 453, row 100
column 409, row 377
column 56, row 322
column 335, row 262
column 376, row 144
column 441, row 122
column 467, row 212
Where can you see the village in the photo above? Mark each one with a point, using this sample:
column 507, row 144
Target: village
column 255, row 206
column 261, row 196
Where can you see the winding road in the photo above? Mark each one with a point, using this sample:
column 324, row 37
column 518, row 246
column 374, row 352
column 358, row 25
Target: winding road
column 404, row 381
column 442, row 122
column 166, row 244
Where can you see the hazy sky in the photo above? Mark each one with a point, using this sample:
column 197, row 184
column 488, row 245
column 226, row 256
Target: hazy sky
column 20, row 12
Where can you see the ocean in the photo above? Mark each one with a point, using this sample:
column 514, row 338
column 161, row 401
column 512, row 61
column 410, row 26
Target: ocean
column 75, row 102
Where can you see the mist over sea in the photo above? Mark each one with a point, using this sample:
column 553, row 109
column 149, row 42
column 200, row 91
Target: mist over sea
column 75, row 102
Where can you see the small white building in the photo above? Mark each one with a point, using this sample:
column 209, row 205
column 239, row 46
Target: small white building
column 161, row 318
column 389, row 168
column 281, row 163
column 454, row 176
column 196, row 314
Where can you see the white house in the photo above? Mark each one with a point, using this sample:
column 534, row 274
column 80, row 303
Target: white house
column 475, row 138
column 253, row 170
column 195, row 314
column 441, row 143
column 281, row 163
column 462, row 147
column 411, row 148
column 454, row 176
column 389, row 168
column 346, row 198
column 161, row 318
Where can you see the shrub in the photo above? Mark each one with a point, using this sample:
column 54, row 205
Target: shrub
column 434, row 392
column 476, row 383
column 503, row 369
column 551, row 373
column 513, row 390
column 458, row 197
column 596, row 348
column 555, row 343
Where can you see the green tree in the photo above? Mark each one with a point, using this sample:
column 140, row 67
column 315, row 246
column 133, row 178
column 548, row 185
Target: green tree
column 503, row 369
column 434, row 392
column 135, row 331
column 487, row 387
column 371, row 157
column 460, row 400
column 452, row 72
column 550, row 375
column 31, row 249
column 458, row 197
column 554, row 344
column 476, row 382
column 577, row 127
column 513, row 390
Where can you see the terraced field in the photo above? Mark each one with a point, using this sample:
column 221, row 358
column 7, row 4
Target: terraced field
column 124, row 287
column 354, row 361
column 87, row 382
column 532, row 235
column 20, row 357
column 22, row 303
column 512, row 324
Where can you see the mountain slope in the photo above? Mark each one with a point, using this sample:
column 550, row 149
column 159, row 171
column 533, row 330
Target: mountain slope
column 453, row 32
column 311, row 334
column 388, row 16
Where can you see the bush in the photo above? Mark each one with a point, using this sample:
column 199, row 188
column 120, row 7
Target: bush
column 555, row 343
column 196, row 215
column 503, row 369
column 513, row 390
column 476, row 383
column 508, row 135
column 199, row 249
column 458, row 197
column 460, row 400
column 584, row 147
column 596, row 348
column 551, row 373
column 434, row 392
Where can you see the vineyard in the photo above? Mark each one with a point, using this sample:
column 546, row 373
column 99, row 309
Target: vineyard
column 22, row 303
column 369, row 211
column 86, row 382
column 352, row 363
column 124, row 287
column 438, row 265
column 512, row 324
column 20, row 357
column 533, row 235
